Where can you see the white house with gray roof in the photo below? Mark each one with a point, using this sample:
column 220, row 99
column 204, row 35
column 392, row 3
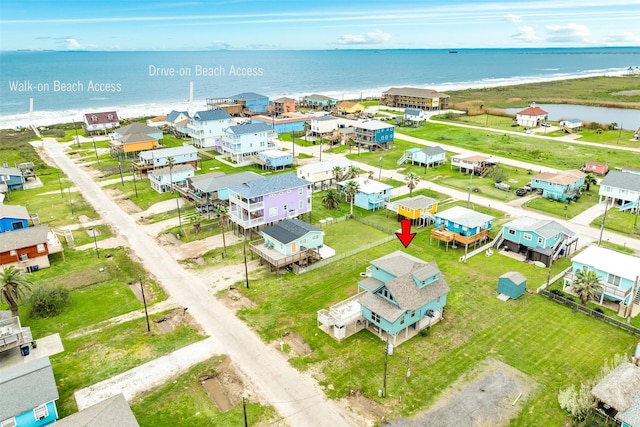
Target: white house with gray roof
column 242, row 142
column 323, row 171
column 212, row 188
column 163, row 179
column 415, row 114
column 623, row 188
column 207, row 127
column 151, row 159
column 28, row 394
column 114, row 411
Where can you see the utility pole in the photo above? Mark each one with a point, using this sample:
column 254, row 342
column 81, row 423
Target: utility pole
column 244, row 411
column 386, row 357
column 135, row 186
column 246, row 269
column 77, row 137
column 144, row 301
column 604, row 218
column 120, row 168
column 619, row 133
column 95, row 150
column 179, row 215
column 293, row 145
column 635, row 221
column 380, row 170
column 70, row 203
column 469, row 192
column 95, row 241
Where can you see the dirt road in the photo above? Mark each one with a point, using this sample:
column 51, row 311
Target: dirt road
column 296, row 397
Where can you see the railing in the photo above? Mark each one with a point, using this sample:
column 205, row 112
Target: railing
column 593, row 313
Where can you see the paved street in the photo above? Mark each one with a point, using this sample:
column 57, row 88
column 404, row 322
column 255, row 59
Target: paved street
column 296, row 397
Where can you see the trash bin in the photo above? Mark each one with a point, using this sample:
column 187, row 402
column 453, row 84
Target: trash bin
column 24, row 350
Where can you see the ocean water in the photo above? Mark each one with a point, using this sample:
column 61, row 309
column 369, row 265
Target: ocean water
column 64, row 85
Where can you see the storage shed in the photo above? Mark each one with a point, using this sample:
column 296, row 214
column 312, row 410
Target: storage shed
column 512, row 284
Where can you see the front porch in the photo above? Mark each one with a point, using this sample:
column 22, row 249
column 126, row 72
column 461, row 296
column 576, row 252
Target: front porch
column 612, row 297
column 277, row 260
column 441, row 234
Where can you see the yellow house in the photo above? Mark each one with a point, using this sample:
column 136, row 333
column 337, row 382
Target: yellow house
column 350, row 107
column 418, row 208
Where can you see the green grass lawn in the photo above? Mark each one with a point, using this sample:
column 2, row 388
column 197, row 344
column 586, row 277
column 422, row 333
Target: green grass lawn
column 185, row 402
column 564, row 210
column 539, row 337
column 558, row 154
column 626, row 223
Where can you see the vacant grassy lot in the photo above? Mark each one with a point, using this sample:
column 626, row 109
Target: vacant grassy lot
column 542, row 339
column 564, row 210
column 626, row 223
column 185, row 402
column 596, row 91
column 558, row 154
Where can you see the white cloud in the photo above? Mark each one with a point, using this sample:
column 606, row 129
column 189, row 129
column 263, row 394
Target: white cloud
column 526, row 34
column 373, row 37
column 514, row 19
column 623, row 37
column 568, row 33
column 72, row 43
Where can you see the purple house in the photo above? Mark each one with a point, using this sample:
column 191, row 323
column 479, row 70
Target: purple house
column 267, row 200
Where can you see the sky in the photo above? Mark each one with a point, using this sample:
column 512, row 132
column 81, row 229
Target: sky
column 329, row 24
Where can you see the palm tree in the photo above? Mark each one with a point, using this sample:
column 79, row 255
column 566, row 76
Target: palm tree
column 370, row 175
column 170, row 162
column 351, row 189
column 338, row 174
column 588, row 180
column 412, row 179
column 13, row 287
column 586, row 285
column 350, row 143
column 223, row 218
column 331, row 198
column 352, row 172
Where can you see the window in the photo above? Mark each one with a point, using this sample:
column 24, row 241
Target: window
column 526, row 236
column 540, row 240
column 300, row 191
column 40, row 247
column 375, row 317
column 273, row 211
column 17, row 225
column 613, row 280
column 285, row 207
column 511, row 232
column 11, row 422
column 41, row 412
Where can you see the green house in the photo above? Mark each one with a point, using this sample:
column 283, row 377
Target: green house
column 512, row 284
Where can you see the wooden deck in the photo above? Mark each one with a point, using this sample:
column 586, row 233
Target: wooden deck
column 276, row 260
column 447, row 236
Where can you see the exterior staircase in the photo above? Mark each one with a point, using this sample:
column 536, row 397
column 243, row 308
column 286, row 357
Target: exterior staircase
column 402, row 159
column 498, row 240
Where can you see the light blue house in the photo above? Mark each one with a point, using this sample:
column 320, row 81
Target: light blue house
column 163, row 179
column 319, row 102
column 375, row 134
column 427, row 157
column 242, row 142
column 207, row 127
column 28, row 394
column 463, row 221
column 275, row 159
column 213, row 188
column 617, row 272
column 542, row 240
column 372, row 195
column 291, row 236
column 562, row 186
column 178, row 122
column 252, row 101
column 11, row 179
column 404, row 295
column 13, row 218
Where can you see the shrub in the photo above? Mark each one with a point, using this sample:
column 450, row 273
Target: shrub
column 48, row 302
column 424, row 332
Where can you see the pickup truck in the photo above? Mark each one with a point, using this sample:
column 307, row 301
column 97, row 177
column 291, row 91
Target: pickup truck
column 503, row 186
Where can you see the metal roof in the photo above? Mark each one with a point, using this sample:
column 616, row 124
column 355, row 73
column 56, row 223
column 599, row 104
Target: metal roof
column 208, row 115
column 465, row 217
column 249, row 128
column 167, row 152
column 211, row 182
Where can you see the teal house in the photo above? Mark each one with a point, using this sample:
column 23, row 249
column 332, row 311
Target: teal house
column 371, row 195
column 542, row 240
column 291, row 236
column 512, row 284
column 28, row 394
column 617, row 272
column 404, row 295
column 562, row 186
column 427, row 157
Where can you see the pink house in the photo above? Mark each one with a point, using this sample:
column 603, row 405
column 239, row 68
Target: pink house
column 596, row 168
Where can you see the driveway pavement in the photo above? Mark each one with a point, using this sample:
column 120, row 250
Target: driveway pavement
column 296, row 397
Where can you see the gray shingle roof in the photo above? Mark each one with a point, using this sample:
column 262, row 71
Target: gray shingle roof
column 10, row 171
column 403, row 288
column 417, row 202
column 214, row 181
column 23, row 238
column 26, row 386
column 250, row 128
column 624, row 180
column 416, row 92
column 514, row 276
column 432, row 151
column 412, row 111
column 544, row 227
column 114, row 411
column 135, row 128
column 288, row 230
column 167, row 152
column 272, row 184
column 207, row 115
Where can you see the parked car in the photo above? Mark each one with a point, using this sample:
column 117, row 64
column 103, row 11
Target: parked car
column 521, row 191
column 503, row 186
column 545, row 124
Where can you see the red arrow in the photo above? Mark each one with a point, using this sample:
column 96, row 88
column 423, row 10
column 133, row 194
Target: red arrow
column 406, row 237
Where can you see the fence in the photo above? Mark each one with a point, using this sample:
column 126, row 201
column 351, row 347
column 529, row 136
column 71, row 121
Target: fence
column 593, row 313
column 327, row 261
